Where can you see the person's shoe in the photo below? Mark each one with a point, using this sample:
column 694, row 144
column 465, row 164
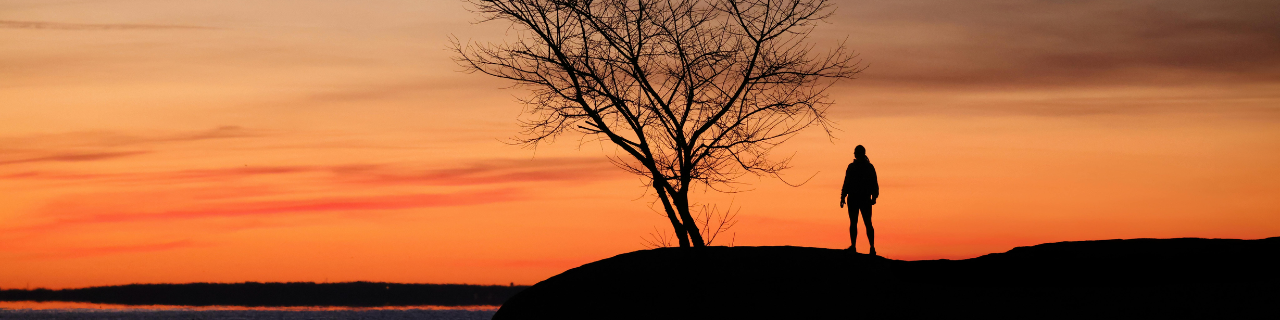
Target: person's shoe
column 851, row 249
column 873, row 252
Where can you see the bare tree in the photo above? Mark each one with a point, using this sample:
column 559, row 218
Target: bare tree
column 725, row 220
column 693, row 92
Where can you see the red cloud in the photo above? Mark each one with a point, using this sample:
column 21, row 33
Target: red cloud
column 278, row 208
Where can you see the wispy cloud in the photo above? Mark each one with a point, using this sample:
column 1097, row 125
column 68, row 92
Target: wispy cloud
column 48, row 175
column 486, row 172
column 99, row 145
column 84, row 252
column 46, row 25
column 113, row 139
column 223, row 132
column 1067, row 43
column 482, row 172
column 75, row 157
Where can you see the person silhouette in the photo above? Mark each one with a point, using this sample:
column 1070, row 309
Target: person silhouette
column 861, row 188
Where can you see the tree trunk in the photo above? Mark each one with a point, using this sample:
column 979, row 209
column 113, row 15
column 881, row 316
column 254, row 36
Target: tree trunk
column 690, row 225
column 671, row 214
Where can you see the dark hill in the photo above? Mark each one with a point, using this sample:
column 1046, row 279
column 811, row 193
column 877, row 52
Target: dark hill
column 1088, row 279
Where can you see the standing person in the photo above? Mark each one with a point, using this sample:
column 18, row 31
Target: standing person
column 862, row 189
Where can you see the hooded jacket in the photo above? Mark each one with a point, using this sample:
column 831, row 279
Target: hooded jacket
column 860, row 180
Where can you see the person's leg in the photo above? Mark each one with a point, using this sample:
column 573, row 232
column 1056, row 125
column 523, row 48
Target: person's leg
column 853, row 225
column 871, row 231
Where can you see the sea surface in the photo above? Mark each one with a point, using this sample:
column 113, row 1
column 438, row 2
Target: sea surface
column 80, row 310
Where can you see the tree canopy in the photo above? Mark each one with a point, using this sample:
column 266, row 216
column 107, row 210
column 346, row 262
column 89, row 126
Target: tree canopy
column 692, row 92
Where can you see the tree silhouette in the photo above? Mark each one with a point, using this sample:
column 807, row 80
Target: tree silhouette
column 690, row 91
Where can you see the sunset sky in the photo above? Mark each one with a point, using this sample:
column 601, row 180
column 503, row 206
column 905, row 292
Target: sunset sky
column 148, row 141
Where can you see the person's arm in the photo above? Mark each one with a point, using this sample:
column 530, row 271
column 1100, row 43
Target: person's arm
column 875, row 185
column 844, row 189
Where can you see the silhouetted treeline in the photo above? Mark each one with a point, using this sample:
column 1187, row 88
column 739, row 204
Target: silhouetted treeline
column 353, row 294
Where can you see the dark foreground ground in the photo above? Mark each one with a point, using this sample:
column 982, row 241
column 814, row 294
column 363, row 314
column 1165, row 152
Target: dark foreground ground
column 1138, row 278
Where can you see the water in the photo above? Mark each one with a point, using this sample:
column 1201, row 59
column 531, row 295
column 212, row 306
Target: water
column 96, row 311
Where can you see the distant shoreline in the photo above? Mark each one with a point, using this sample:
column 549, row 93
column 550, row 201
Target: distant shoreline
column 276, row 294
column 70, row 305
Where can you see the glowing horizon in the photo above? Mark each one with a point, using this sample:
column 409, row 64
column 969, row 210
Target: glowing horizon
column 331, row 141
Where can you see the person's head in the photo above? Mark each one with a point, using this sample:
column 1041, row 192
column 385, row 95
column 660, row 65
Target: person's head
column 860, row 152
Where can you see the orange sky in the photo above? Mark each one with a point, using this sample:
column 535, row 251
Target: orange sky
column 227, row 141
